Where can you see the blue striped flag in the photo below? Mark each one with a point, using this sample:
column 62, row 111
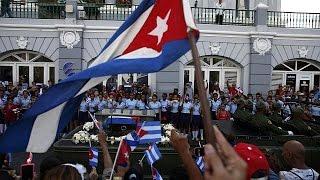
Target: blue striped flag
column 200, row 163
column 153, row 154
column 155, row 174
column 93, row 157
column 150, row 132
column 154, row 36
column 132, row 140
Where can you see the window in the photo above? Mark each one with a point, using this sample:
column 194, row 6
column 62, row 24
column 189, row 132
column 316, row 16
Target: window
column 6, row 73
column 297, row 65
column 26, row 67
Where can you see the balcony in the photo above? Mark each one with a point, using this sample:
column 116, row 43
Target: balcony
column 96, row 11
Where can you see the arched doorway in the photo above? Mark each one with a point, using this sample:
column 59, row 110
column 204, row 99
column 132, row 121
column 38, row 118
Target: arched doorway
column 215, row 70
column 26, row 67
column 300, row 74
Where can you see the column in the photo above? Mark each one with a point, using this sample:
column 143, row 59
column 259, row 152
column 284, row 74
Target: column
column 260, row 69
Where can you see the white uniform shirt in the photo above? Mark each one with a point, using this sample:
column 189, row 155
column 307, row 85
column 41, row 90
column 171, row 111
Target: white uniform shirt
column 220, row 8
column 131, row 104
column 120, row 105
column 164, row 105
column 155, row 106
column 196, row 109
column 141, row 105
column 186, row 107
column 215, row 105
column 175, row 106
column 92, row 105
column 299, row 174
column 102, row 105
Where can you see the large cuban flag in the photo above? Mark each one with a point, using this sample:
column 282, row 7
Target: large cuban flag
column 153, row 37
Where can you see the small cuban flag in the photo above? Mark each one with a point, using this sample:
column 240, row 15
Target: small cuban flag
column 200, row 163
column 132, row 140
column 150, row 132
column 93, row 157
column 153, row 154
column 155, row 174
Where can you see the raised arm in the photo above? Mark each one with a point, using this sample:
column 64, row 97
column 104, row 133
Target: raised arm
column 181, row 145
column 107, row 162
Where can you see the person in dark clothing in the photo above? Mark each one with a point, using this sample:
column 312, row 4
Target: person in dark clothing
column 5, row 8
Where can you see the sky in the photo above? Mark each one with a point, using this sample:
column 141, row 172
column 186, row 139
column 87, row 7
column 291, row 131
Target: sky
column 301, row 5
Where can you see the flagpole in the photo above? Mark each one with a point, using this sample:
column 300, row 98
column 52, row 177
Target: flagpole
column 209, row 135
column 115, row 159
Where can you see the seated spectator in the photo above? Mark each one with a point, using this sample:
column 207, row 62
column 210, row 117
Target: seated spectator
column 222, row 113
column 293, row 153
column 10, row 112
column 25, row 100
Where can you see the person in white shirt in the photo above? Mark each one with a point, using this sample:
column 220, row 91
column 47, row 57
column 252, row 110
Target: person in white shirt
column 140, row 102
column 215, row 104
column 155, row 105
column 119, row 103
column 92, row 103
column 219, row 12
column 164, row 108
column 174, row 110
column 111, row 101
column 83, row 111
column 196, row 119
column 131, row 102
column 185, row 116
column 293, row 153
column 103, row 104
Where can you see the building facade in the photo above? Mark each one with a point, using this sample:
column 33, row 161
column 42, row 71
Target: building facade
column 255, row 49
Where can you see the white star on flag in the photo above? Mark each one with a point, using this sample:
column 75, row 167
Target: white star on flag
column 126, row 155
column 161, row 28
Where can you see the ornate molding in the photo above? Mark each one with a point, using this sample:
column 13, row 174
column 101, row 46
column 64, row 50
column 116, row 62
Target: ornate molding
column 261, row 45
column 69, row 38
column 22, row 42
column 215, row 48
column 303, row 52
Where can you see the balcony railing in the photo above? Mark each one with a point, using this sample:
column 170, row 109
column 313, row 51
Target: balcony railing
column 95, row 11
column 230, row 16
column 35, row 10
column 201, row 15
column 293, row 20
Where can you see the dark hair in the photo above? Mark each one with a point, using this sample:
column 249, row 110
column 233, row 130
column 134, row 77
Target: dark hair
column 62, row 172
column 154, row 95
column 135, row 172
column 47, row 164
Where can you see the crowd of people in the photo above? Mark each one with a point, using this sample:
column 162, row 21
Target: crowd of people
column 242, row 161
column 183, row 110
